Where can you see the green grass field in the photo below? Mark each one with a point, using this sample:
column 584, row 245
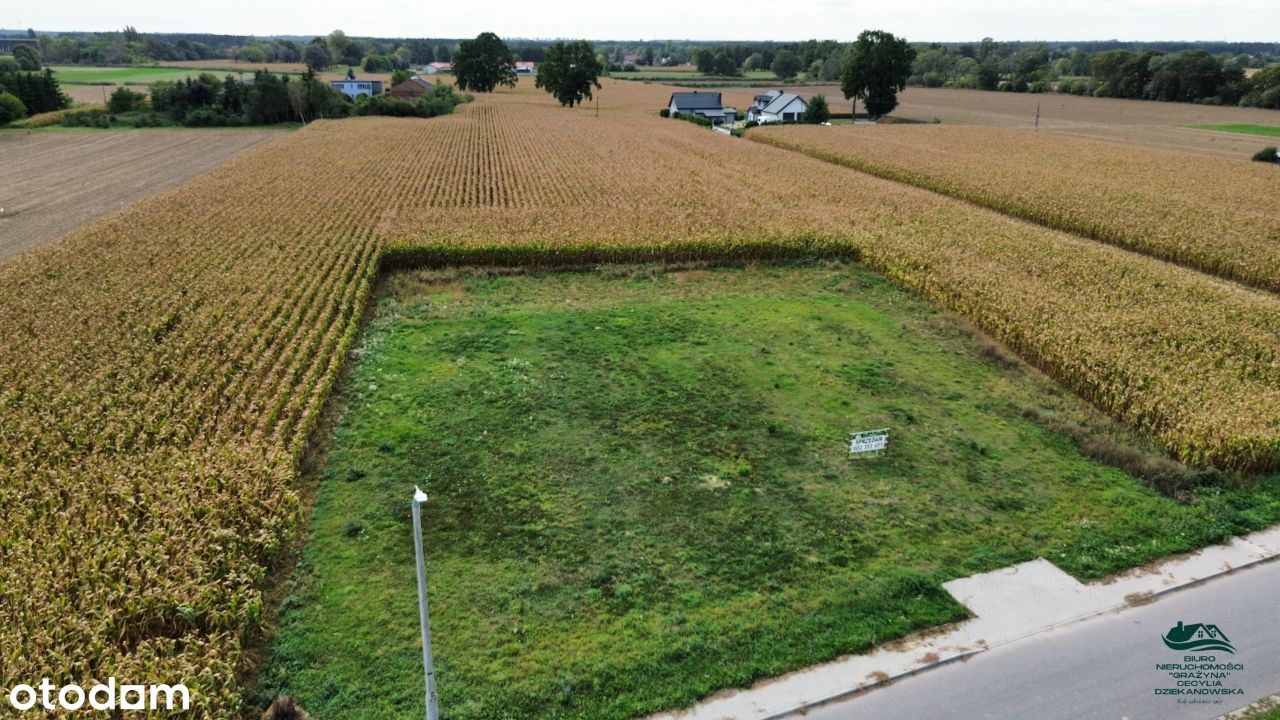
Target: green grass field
column 79, row 75
column 1265, row 130
column 641, row 491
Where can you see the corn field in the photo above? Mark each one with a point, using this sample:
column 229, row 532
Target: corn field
column 1217, row 215
column 163, row 368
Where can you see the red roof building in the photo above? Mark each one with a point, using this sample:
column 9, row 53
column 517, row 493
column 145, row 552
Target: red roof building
column 410, row 89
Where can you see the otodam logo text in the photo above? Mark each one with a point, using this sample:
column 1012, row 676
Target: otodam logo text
column 1198, row 636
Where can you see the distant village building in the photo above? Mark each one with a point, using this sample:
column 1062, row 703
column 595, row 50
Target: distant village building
column 410, row 89
column 524, row 67
column 354, row 88
column 705, row 104
column 438, row 67
column 631, row 58
column 8, row 44
column 777, row 106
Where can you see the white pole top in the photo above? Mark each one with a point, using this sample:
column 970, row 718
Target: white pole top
column 419, row 496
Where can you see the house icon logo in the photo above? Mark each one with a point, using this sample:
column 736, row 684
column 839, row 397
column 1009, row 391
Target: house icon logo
column 1197, row 636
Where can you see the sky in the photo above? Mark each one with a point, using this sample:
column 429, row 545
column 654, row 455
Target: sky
column 917, row 20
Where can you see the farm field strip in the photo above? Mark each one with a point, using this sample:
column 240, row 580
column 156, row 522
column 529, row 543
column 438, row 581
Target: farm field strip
column 163, row 366
column 1136, row 123
column 52, row 182
column 1244, row 128
column 1182, row 208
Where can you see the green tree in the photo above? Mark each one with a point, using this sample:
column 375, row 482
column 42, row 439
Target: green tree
column 268, row 101
column 28, row 57
column 876, row 69
column 785, row 64
column 11, row 108
column 343, row 49
column 317, row 57
column 123, row 100
column 817, row 112
column 376, row 63
column 704, row 60
column 724, row 64
column 484, row 63
column 400, row 76
column 569, row 72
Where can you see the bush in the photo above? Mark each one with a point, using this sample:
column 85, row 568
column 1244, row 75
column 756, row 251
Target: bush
column 440, row 101
column 695, row 119
column 1267, row 154
column 8, row 65
column 123, row 100
column 211, row 117
column 86, row 118
column 817, row 112
column 11, row 108
column 664, row 112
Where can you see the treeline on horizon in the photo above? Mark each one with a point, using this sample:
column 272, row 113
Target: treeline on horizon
column 1202, row 72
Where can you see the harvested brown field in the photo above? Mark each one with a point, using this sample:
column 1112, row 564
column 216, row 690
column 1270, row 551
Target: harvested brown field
column 51, row 182
column 96, row 94
column 1134, row 122
column 1175, row 206
column 164, row 367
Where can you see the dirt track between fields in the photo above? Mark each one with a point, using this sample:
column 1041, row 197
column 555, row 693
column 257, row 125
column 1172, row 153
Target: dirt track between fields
column 52, row 181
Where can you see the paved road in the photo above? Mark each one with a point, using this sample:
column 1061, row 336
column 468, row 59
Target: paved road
column 1103, row 668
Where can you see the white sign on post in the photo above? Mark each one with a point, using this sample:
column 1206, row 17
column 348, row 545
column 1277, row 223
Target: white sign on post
column 868, row 441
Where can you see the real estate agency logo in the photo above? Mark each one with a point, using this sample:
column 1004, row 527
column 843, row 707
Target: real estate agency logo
column 1197, row 636
column 1199, row 678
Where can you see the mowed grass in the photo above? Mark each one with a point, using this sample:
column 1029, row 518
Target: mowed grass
column 80, row 75
column 640, row 490
column 1246, row 128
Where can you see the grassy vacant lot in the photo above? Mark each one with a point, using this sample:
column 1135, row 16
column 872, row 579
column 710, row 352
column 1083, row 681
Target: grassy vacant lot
column 1246, row 128
column 641, row 493
column 80, row 75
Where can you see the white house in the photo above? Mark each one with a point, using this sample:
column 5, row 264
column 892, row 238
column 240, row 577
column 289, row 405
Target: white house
column 524, row 67
column 777, row 106
column 355, row 88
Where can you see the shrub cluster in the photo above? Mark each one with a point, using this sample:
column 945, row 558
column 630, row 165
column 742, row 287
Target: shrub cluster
column 439, row 101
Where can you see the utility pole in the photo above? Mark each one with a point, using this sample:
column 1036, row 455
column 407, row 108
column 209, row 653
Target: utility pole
column 1037, row 116
column 428, row 666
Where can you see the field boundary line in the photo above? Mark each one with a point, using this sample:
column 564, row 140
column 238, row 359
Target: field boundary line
column 1048, row 219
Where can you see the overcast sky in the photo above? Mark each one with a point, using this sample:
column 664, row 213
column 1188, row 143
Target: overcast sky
column 1230, row 20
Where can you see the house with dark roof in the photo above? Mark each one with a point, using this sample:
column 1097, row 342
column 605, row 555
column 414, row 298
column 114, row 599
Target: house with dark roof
column 705, row 104
column 410, row 89
column 777, row 106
